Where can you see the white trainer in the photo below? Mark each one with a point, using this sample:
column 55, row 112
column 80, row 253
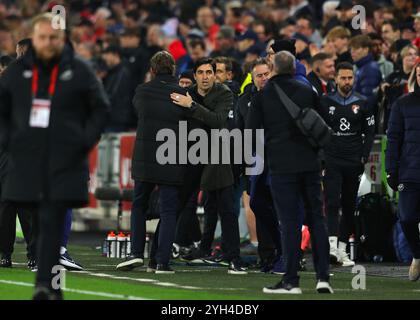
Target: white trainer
column 333, row 250
column 324, row 287
column 343, row 256
column 414, row 272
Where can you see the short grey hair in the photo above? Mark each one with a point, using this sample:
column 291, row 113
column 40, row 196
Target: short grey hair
column 284, row 63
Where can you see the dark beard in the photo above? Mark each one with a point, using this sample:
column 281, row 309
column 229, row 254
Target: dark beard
column 346, row 90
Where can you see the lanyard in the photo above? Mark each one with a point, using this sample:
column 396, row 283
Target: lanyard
column 53, row 80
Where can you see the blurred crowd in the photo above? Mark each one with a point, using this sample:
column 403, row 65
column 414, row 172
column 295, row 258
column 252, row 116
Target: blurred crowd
column 118, row 38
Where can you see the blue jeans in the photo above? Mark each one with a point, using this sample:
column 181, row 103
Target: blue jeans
column 287, row 191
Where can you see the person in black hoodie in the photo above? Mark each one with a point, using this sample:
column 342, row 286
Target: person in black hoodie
column 52, row 112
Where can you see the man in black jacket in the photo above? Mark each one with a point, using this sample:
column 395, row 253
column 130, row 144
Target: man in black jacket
column 27, row 218
column 210, row 104
column 117, row 84
column 155, row 112
column 259, row 199
column 347, row 113
column 294, row 173
column 322, row 75
column 403, row 168
column 52, row 112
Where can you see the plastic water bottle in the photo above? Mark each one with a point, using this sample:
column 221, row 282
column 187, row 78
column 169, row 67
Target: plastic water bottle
column 121, row 245
column 146, row 247
column 128, row 244
column 352, row 248
column 112, row 245
column 105, row 248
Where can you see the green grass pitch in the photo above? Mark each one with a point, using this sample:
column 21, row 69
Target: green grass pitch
column 102, row 281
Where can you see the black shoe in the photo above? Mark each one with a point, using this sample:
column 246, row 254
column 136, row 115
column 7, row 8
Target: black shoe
column 196, row 256
column 131, row 262
column 151, row 267
column 283, row 288
column 69, row 263
column 236, row 267
column 164, row 269
column 6, row 262
column 32, row 265
column 44, row 293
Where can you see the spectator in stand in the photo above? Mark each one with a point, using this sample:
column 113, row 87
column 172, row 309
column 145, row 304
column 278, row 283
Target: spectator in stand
column 207, row 24
column 225, row 44
column 368, row 76
column 385, row 66
column 340, row 37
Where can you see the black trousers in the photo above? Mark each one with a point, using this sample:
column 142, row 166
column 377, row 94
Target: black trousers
column 168, row 204
column 188, row 227
column 288, row 190
column 211, row 219
column 221, row 203
column 28, row 218
column 341, row 185
column 190, row 187
column 267, row 223
column 409, row 214
column 51, row 229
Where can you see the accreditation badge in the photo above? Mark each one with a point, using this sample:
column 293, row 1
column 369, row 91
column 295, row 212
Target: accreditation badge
column 40, row 113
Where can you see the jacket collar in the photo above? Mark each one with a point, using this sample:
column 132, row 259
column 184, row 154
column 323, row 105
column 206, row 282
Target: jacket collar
column 337, row 97
column 281, row 77
column 66, row 57
column 165, row 78
column 364, row 61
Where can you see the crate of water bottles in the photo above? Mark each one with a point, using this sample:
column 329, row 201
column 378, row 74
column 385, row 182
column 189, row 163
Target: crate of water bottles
column 118, row 245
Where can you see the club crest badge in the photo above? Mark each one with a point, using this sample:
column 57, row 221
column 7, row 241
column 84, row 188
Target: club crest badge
column 332, row 110
column 355, row 108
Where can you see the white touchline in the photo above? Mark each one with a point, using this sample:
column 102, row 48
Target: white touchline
column 153, row 281
column 85, row 292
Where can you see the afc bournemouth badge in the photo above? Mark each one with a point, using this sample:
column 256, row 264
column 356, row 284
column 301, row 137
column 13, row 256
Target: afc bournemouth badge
column 400, row 187
column 332, row 109
column 355, row 108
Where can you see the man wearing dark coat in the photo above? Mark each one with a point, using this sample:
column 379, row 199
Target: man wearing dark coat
column 52, row 112
column 210, row 104
column 155, row 111
column 402, row 164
